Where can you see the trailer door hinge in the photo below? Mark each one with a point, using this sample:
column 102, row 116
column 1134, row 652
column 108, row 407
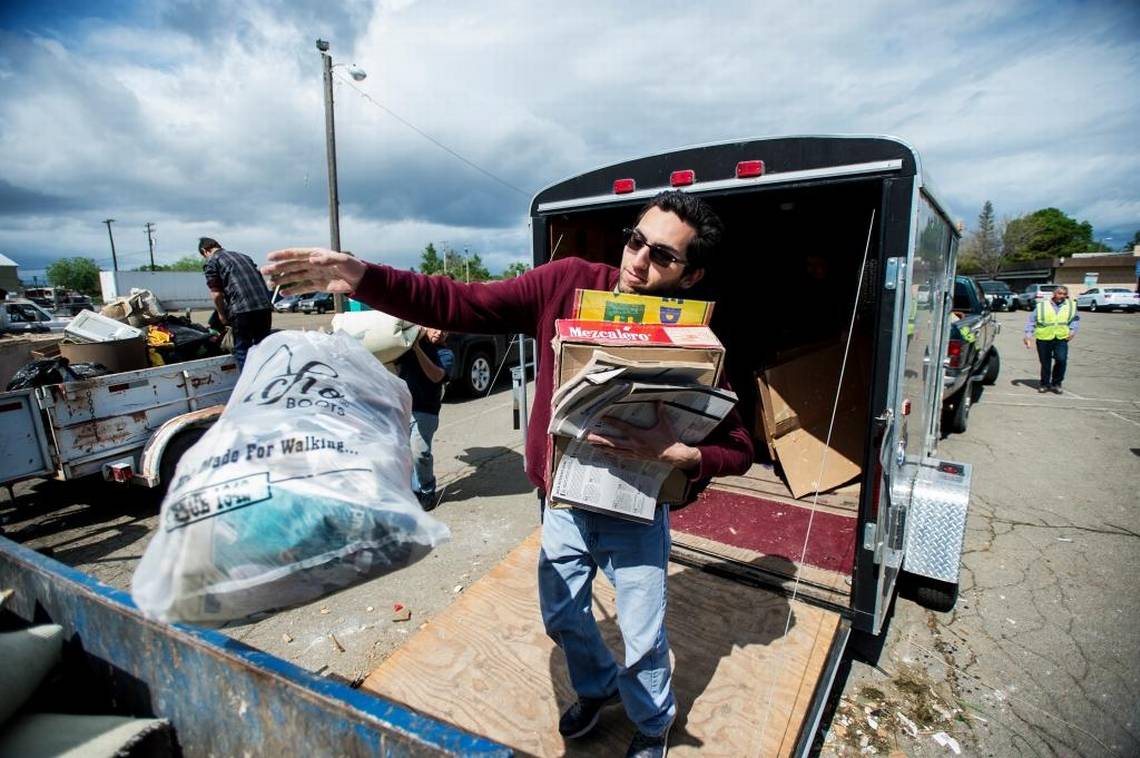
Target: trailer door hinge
column 891, row 275
column 870, row 534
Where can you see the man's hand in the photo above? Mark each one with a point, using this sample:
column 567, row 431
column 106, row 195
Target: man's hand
column 1070, row 338
column 1028, row 343
column 658, row 442
column 313, row 269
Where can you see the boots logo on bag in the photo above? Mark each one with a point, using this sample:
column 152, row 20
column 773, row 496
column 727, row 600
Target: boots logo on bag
column 307, row 387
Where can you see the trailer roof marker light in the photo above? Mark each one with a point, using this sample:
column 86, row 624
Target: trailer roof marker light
column 747, row 169
column 682, row 178
column 624, row 186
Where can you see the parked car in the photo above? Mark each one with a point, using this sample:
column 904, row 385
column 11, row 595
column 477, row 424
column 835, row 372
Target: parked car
column 999, row 295
column 1109, row 299
column 289, row 303
column 1035, row 292
column 26, row 316
column 318, row 302
column 61, row 301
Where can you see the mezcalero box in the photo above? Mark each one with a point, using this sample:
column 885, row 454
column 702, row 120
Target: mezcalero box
column 628, row 371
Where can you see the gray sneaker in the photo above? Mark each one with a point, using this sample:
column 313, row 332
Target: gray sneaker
column 581, row 717
column 644, row 746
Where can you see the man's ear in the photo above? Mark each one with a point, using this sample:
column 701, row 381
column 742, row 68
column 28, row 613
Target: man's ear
column 691, row 277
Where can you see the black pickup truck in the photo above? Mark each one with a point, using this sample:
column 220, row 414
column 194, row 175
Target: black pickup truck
column 481, row 359
column 971, row 358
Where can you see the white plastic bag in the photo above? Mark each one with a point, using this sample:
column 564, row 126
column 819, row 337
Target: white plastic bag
column 386, row 337
column 302, row 488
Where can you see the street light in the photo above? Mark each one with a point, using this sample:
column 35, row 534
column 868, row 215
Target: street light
column 357, row 74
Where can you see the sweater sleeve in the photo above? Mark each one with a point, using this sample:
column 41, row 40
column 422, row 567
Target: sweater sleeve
column 728, row 450
column 503, row 307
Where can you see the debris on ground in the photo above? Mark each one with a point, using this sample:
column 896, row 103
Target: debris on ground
column 946, row 741
column 286, row 638
column 336, row 642
column 401, row 612
column 908, row 706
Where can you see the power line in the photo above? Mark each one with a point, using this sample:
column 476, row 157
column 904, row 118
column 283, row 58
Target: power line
column 430, row 138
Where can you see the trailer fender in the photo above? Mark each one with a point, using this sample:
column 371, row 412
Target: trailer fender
column 150, row 465
column 936, row 520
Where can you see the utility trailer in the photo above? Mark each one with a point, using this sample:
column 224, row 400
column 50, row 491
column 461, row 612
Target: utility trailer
column 766, row 585
column 130, row 426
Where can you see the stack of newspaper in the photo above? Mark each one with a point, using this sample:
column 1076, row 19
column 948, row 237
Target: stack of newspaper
column 613, row 387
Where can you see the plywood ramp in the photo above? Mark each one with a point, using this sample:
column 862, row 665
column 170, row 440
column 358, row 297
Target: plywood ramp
column 742, row 684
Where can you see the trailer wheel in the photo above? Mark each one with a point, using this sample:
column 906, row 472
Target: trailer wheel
column 930, row 593
column 180, row 443
column 993, row 366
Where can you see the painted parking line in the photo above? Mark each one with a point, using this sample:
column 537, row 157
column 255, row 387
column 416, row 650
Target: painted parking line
column 1071, row 394
column 1124, row 418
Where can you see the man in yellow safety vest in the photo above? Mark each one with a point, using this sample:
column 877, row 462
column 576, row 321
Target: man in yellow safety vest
column 1052, row 324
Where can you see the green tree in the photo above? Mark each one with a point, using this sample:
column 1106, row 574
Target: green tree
column 473, row 269
column 1127, row 246
column 80, row 274
column 1050, row 233
column 430, row 262
column 191, row 263
column 515, row 269
column 982, row 250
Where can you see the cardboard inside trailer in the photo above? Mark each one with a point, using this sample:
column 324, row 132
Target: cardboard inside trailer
column 749, row 660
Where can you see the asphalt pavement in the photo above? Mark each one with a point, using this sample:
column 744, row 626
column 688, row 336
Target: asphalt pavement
column 1040, row 657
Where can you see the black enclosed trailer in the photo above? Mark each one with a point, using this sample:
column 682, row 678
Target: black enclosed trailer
column 829, row 241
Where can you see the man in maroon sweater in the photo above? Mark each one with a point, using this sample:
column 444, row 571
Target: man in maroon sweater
column 666, row 254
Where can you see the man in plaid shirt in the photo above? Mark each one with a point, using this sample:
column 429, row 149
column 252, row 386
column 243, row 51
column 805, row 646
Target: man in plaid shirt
column 239, row 293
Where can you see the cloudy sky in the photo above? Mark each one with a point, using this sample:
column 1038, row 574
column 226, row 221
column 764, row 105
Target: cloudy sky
column 206, row 118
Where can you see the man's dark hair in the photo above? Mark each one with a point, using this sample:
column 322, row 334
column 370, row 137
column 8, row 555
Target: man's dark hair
column 697, row 214
column 205, row 243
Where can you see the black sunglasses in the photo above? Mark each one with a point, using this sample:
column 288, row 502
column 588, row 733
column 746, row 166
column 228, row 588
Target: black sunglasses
column 659, row 254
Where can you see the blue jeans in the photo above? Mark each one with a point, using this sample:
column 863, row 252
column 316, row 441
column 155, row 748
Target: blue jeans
column 633, row 556
column 1054, row 356
column 249, row 329
column 423, row 476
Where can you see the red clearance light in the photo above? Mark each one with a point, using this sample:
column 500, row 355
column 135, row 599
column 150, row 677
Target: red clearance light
column 682, row 178
column 623, row 186
column 906, row 407
column 745, row 169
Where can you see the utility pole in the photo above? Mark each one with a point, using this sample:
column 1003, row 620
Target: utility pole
column 330, row 146
column 150, row 242
column 114, row 260
column 466, row 267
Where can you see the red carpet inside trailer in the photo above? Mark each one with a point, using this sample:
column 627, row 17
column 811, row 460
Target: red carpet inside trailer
column 771, row 528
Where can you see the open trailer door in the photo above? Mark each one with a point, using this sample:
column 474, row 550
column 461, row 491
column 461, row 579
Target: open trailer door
column 748, row 665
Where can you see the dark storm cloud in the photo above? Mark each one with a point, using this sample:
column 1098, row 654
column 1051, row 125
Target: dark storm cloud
column 19, row 201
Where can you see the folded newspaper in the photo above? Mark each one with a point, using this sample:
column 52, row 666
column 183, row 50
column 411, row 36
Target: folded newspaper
column 611, row 387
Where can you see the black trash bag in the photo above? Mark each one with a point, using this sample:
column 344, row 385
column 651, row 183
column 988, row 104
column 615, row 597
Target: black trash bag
column 54, row 371
column 190, row 340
